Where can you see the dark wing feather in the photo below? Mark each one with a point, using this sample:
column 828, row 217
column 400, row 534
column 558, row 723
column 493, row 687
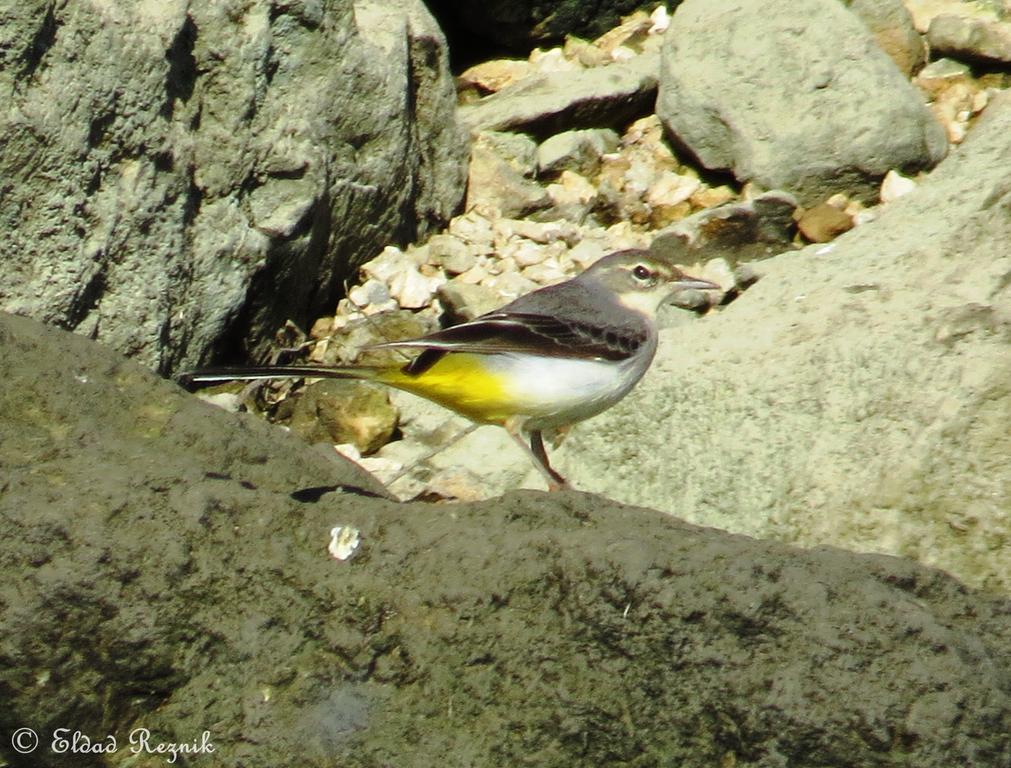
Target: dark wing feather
column 527, row 333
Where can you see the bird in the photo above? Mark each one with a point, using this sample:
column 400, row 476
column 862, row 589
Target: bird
column 546, row 360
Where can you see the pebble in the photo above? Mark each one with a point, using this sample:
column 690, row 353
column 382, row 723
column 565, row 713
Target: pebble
column 492, row 76
column 412, row 289
column 895, row 185
column 823, row 222
column 465, row 301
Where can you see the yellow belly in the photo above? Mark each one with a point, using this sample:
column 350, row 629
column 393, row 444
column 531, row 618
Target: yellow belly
column 462, row 383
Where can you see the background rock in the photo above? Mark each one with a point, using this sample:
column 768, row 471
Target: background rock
column 891, row 23
column 859, row 394
column 174, row 575
column 814, row 114
column 972, row 38
column 184, row 177
column 508, row 27
column 543, row 105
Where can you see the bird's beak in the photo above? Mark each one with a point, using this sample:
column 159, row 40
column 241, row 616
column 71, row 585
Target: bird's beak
column 687, row 282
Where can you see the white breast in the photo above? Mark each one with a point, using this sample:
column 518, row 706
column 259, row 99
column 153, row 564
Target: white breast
column 561, row 391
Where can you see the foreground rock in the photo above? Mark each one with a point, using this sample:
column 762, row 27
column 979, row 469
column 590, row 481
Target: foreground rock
column 859, row 394
column 181, row 173
column 815, row 114
column 165, row 566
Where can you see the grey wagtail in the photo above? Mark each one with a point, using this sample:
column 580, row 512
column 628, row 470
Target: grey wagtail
column 551, row 358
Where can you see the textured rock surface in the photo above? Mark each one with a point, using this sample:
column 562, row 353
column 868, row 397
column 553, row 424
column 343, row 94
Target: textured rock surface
column 813, row 112
column 972, row 38
column 183, row 173
column 159, row 571
column 859, row 393
column 893, row 29
column 601, row 97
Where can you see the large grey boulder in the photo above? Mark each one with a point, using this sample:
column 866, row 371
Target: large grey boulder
column 859, row 394
column 178, row 176
column 164, row 565
column 793, row 95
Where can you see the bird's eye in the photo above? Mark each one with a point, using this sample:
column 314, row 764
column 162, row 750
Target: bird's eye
column 643, row 273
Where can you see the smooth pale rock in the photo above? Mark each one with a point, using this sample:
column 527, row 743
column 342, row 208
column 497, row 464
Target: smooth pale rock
column 175, row 173
column 814, row 114
column 895, row 185
column 578, row 151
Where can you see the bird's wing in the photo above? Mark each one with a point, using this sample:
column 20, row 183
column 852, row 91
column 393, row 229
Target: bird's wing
column 533, row 334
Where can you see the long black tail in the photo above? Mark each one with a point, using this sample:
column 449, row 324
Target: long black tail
column 249, row 373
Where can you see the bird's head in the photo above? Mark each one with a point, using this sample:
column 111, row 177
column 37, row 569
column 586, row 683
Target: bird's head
column 641, row 281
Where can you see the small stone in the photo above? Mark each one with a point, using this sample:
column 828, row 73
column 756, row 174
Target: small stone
column 587, row 252
column 465, row 301
column 337, row 411
column 660, row 19
column 492, row 76
column 720, row 272
column 457, row 483
column 344, row 542
column 451, row 253
column 938, row 76
column 575, row 150
column 474, row 228
column 545, row 273
column 370, row 292
column 545, row 232
column 631, row 32
column 322, row 328
column 413, row 290
column 841, row 202
column 525, row 253
column 823, row 223
column 511, row 285
column 895, row 185
column 387, row 264
column 473, row 276
column 517, row 149
column 493, row 181
column 573, row 196
column 552, row 60
column 585, row 52
column 710, row 197
column 669, row 189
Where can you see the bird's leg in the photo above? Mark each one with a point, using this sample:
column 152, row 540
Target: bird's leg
column 535, row 450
